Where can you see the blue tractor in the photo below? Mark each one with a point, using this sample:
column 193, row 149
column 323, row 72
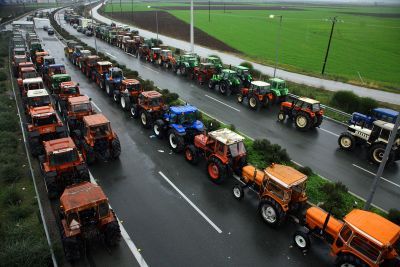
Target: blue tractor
column 180, row 124
column 113, row 79
column 77, row 53
column 383, row 114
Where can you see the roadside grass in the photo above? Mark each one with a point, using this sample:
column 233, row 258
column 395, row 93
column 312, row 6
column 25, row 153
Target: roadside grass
column 23, row 241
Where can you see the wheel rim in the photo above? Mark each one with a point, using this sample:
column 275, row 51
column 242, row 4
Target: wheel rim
column 347, row 265
column 222, row 89
column 378, row 154
column 345, row 142
column 236, row 192
column 144, row 119
column 281, row 116
column 108, row 89
column 133, row 111
column 123, row 104
column 268, row 213
column 156, row 129
column 115, row 98
column 188, row 155
column 172, row 140
column 300, row 241
column 252, row 102
column 240, row 98
column 59, row 106
column 301, row 121
column 213, row 170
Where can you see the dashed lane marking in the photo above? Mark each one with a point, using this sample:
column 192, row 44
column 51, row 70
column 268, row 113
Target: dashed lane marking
column 219, row 101
column 96, row 106
column 384, row 179
column 332, row 133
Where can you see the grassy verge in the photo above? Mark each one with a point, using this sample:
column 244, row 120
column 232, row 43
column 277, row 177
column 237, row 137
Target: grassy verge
column 23, row 241
column 260, row 153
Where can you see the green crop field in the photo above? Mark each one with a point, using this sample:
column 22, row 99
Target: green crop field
column 365, row 44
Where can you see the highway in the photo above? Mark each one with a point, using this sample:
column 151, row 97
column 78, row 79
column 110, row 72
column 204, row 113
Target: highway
column 173, row 214
column 317, row 149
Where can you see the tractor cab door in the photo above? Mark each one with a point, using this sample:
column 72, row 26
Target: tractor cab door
column 375, row 133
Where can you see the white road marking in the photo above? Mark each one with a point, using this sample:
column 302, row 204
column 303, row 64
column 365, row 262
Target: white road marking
column 329, row 132
column 367, row 171
column 96, row 106
column 298, row 164
column 110, row 55
column 191, row 203
column 126, row 237
column 222, row 103
column 150, row 69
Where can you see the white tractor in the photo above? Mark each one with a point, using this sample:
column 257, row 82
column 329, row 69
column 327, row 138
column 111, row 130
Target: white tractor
column 375, row 140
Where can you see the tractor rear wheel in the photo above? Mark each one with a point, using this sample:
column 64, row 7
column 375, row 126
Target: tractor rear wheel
column 240, row 98
column 271, row 212
column 72, row 248
column 238, row 191
column 35, row 147
column 116, row 96
column 254, row 103
column 211, row 84
column 192, row 154
column 302, row 121
column 109, row 89
column 84, row 175
column 281, row 116
column 135, row 111
column 183, row 70
column 115, row 148
column 145, row 119
column 346, row 260
column 51, row 187
column 176, row 141
column 376, row 152
column 217, row 171
column 125, row 102
column 224, row 88
column 89, row 155
column 158, row 129
column 112, row 234
column 347, row 141
column 301, row 240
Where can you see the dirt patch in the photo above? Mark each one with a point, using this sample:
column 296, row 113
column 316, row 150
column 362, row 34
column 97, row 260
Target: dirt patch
column 171, row 26
column 229, row 7
column 377, row 15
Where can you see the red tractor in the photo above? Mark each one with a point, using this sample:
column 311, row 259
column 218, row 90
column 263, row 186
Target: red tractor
column 85, row 215
column 258, row 95
column 305, row 112
column 204, row 72
column 149, row 107
column 17, row 59
column 224, row 151
column 61, row 166
column 75, row 109
column 25, row 73
column 88, row 65
column 127, row 93
column 99, row 73
column 166, row 59
column 67, row 90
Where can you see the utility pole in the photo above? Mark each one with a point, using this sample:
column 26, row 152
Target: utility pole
column 112, row 9
column 157, row 25
column 191, row 27
column 95, row 43
column 334, row 20
column 385, row 157
column 278, row 40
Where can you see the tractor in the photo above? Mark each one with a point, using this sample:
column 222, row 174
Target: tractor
column 96, row 140
column 47, row 61
column 132, row 46
column 69, row 49
column 31, row 84
column 98, row 75
column 15, row 63
column 84, row 54
column 26, row 73
column 88, row 64
column 204, row 72
column 149, row 107
column 383, row 114
column 180, row 124
column 363, row 238
column 281, row 190
column 186, row 63
column 155, row 55
column 61, row 166
column 85, row 215
column 19, row 51
column 224, row 151
column 67, row 90
column 305, row 112
column 127, row 93
column 56, row 80
column 216, row 62
column 34, row 46
column 375, row 140
column 53, row 69
column 278, row 89
column 166, row 59
column 75, row 109
column 36, row 98
column 23, row 64
column 39, row 59
column 77, row 53
column 244, row 75
column 113, row 79
column 143, row 51
column 44, row 124
column 258, row 95
column 227, row 82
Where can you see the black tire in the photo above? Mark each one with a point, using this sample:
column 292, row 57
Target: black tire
column 115, row 148
column 376, row 151
column 239, row 166
column 125, row 102
column 238, row 191
column 319, row 120
column 211, row 84
column 240, row 98
column 112, row 234
column 349, row 260
column 224, row 88
column 192, row 154
column 347, row 141
column 116, row 96
column 36, row 148
column 109, row 89
column 89, row 155
column 254, row 103
column 134, row 111
column 145, row 119
column 216, row 170
column 302, row 121
column 271, row 212
column 72, row 248
column 281, row 116
column 51, row 187
column 301, row 240
column 84, row 175
column 158, row 129
column 176, row 141
column 183, row 70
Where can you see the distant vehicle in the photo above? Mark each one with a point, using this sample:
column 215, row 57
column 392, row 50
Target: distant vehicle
column 89, row 32
column 50, row 31
column 79, row 28
column 45, row 28
column 75, row 26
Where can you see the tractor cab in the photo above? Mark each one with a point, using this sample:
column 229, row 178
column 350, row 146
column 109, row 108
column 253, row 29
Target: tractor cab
column 47, row 61
column 85, row 53
column 308, row 104
column 79, row 106
column 151, row 100
column 184, row 118
column 279, row 89
column 166, row 53
column 44, row 116
column 39, row 58
column 78, row 50
column 35, row 46
column 92, row 60
column 31, row 84
column 26, row 73
column 38, row 98
column 56, row 80
column 260, row 88
column 215, row 61
column 97, row 128
column 383, row 114
column 18, row 60
column 61, row 154
column 115, row 75
column 381, row 131
column 69, row 89
column 155, row 53
column 191, row 59
column 19, row 51
column 206, row 67
column 131, row 86
column 69, row 49
column 18, row 41
column 56, row 69
column 244, row 75
column 103, row 67
column 258, row 94
column 228, row 144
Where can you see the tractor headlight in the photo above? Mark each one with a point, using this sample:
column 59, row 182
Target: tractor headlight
column 397, row 142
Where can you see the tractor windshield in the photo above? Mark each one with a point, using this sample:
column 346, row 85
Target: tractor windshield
column 49, row 61
column 117, row 74
column 316, row 107
column 39, row 101
column 92, row 62
column 70, row 90
column 300, row 188
column 32, row 86
column 82, row 107
column 99, row 131
column 187, row 118
column 237, row 149
column 280, row 85
column 263, row 90
column 28, row 74
column 133, row 87
column 88, row 216
column 155, row 102
column 58, row 70
column 44, row 120
column 63, row 157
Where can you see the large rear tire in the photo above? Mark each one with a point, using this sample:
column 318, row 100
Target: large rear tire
column 192, row 155
column 376, row 152
column 346, row 260
column 224, row 88
column 72, row 248
column 217, row 171
column 112, row 234
column 176, row 141
column 109, row 89
column 115, row 148
column 271, row 212
column 145, row 119
column 125, row 102
column 254, row 103
column 158, row 129
column 302, row 121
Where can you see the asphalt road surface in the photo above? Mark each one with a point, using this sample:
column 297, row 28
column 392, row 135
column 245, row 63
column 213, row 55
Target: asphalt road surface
column 171, row 211
column 317, row 149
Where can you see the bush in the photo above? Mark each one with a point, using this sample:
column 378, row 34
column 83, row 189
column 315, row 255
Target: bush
column 8, row 122
column 271, row 153
column 335, row 198
column 8, row 141
column 177, row 51
column 232, row 127
column 19, row 212
column 247, row 65
column 3, row 76
column 212, row 124
column 346, row 101
column 12, row 197
column 367, row 104
column 148, row 85
column 10, row 173
column 306, row 170
column 394, row 216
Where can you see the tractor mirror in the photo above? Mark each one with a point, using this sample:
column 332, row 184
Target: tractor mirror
column 90, row 99
column 77, row 84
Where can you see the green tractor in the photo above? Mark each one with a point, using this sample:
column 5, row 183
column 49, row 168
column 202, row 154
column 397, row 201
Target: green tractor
column 216, row 62
column 56, row 80
column 278, row 89
column 244, row 75
column 186, row 63
column 227, row 82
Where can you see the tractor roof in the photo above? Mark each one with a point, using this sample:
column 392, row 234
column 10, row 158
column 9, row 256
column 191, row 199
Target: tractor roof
column 212, row 58
column 59, row 145
column 308, row 100
column 60, row 76
column 130, row 81
column 25, row 64
column 42, row 111
column 19, row 56
column 28, row 69
column 206, row 64
column 79, row 100
column 78, row 47
column 166, row 50
column 387, row 111
column 226, row 136
column 277, row 80
column 385, row 125
column 48, row 57
column 183, row 109
column 115, row 69
column 151, row 94
column 104, row 63
column 229, row 71
column 285, row 175
column 68, row 84
column 56, row 66
column 42, row 53
column 156, row 48
column 32, row 80
column 19, row 49
column 37, row 92
column 260, row 83
column 85, row 51
column 96, row 119
column 242, row 67
column 373, row 226
column 79, row 196
column 93, row 57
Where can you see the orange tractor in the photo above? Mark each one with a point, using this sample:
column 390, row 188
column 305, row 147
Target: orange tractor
column 204, row 72
column 149, row 107
column 85, row 215
column 362, row 239
column 305, row 112
column 166, row 59
column 127, row 93
column 17, row 59
column 62, row 165
column 67, row 90
column 258, row 95
column 39, row 58
column 75, row 109
column 88, row 64
column 224, row 151
column 282, row 190
column 25, row 73
column 96, row 139
column 36, row 98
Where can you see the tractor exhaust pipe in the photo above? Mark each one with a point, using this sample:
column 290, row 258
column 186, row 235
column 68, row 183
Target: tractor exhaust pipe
column 328, row 216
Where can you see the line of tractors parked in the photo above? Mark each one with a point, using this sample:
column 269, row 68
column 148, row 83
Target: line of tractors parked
column 281, row 189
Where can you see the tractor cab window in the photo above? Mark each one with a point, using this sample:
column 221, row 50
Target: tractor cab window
column 237, row 149
column 225, row 75
column 88, row 216
column 73, row 220
column 103, row 209
column 57, row 159
column 49, row 61
column 376, row 130
column 70, row 90
column 300, row 188
column 39, row 101
column 92, row 61
column 345, row 233
column 280, row 85
column 155, row 102
column 245, row 72
column 315, row 107
column 32, row 86
column 385, row 134
column 220, row 148
column 58, row 70
column 44, row 120
column 133, row 87
column 277, row 190
column 117, row 74
column 262, row 90
column 365, row 247
column 187, row 118
column 100, row 130
column 82, row 107
column 29, row 74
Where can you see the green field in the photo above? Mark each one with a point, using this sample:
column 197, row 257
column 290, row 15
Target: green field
column 362, row 45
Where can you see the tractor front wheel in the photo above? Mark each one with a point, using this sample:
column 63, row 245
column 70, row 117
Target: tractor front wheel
column 347, row 141
column 224, row 89
column 281, row 116
column 116, row 96
column 238, row 191
column 112, row 234
column 115, row 148
column 345, row 260
column 301, row 240
column 51, row 187
column 240, row 98
column 125, row 102
column 145, row 119
column 176, row 141
column 191, row 154
column 84, row 175
column 158, row 129
column 217, row 171
column 72, row 248
column 302, row 121
column 135, row 111
column 271, row 212
column 254, row 103
column 211, row 84
column 89, row 154
column 376, row 153
column 109, row 89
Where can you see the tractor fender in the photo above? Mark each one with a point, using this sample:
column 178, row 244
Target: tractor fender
column 33, row 134
column 221, row 158
column 61, row 129
column 178, row 128
column 198, row 125
column 81, row 167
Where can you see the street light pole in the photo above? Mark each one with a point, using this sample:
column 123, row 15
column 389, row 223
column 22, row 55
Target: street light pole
column 132, row 10
column 95, row 43
column 385, row 157
column 334, row 20
column 191, row 27
column 157, row 24
column 278, row 40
